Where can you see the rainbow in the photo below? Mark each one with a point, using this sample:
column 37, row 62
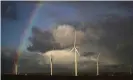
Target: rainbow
column 26, row 34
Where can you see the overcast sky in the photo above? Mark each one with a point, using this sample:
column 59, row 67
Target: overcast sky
column 57, row 12
column 17, row 21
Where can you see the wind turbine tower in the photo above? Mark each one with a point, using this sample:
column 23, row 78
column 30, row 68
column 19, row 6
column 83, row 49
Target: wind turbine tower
column 16, row 63
column 76, row 52
column 98, row 64
column 130, row 67
column 16, row 69
column 51, row 64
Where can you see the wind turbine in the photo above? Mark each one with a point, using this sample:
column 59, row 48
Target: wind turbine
column 76, row 52
column 130, row 66
column 16, row 62
column 16, row 69
column 51, row 65
column 98, row 64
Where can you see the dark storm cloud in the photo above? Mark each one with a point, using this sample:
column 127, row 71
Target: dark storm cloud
column 118, row 30
column 53, row 39
column 47, row 40
column 106, row 34
column 7, row 60
column 42, row 41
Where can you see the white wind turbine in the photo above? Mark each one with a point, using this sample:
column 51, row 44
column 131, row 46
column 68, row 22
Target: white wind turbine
column 16, row 63
column 76, row 52
column 51, row 64
column 16, row 69
column 98, row 64
column 130, row 69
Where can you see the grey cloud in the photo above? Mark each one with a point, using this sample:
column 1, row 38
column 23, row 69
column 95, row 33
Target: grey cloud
column 7, row 60
column 64, row 34
column 100, row 38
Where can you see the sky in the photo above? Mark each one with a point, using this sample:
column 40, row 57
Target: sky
column 18, row 21
column 51, row 13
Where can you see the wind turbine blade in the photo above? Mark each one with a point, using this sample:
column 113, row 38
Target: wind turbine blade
column 39, row 54
column 98, row 55
column 77, row 51
column 71, row 49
